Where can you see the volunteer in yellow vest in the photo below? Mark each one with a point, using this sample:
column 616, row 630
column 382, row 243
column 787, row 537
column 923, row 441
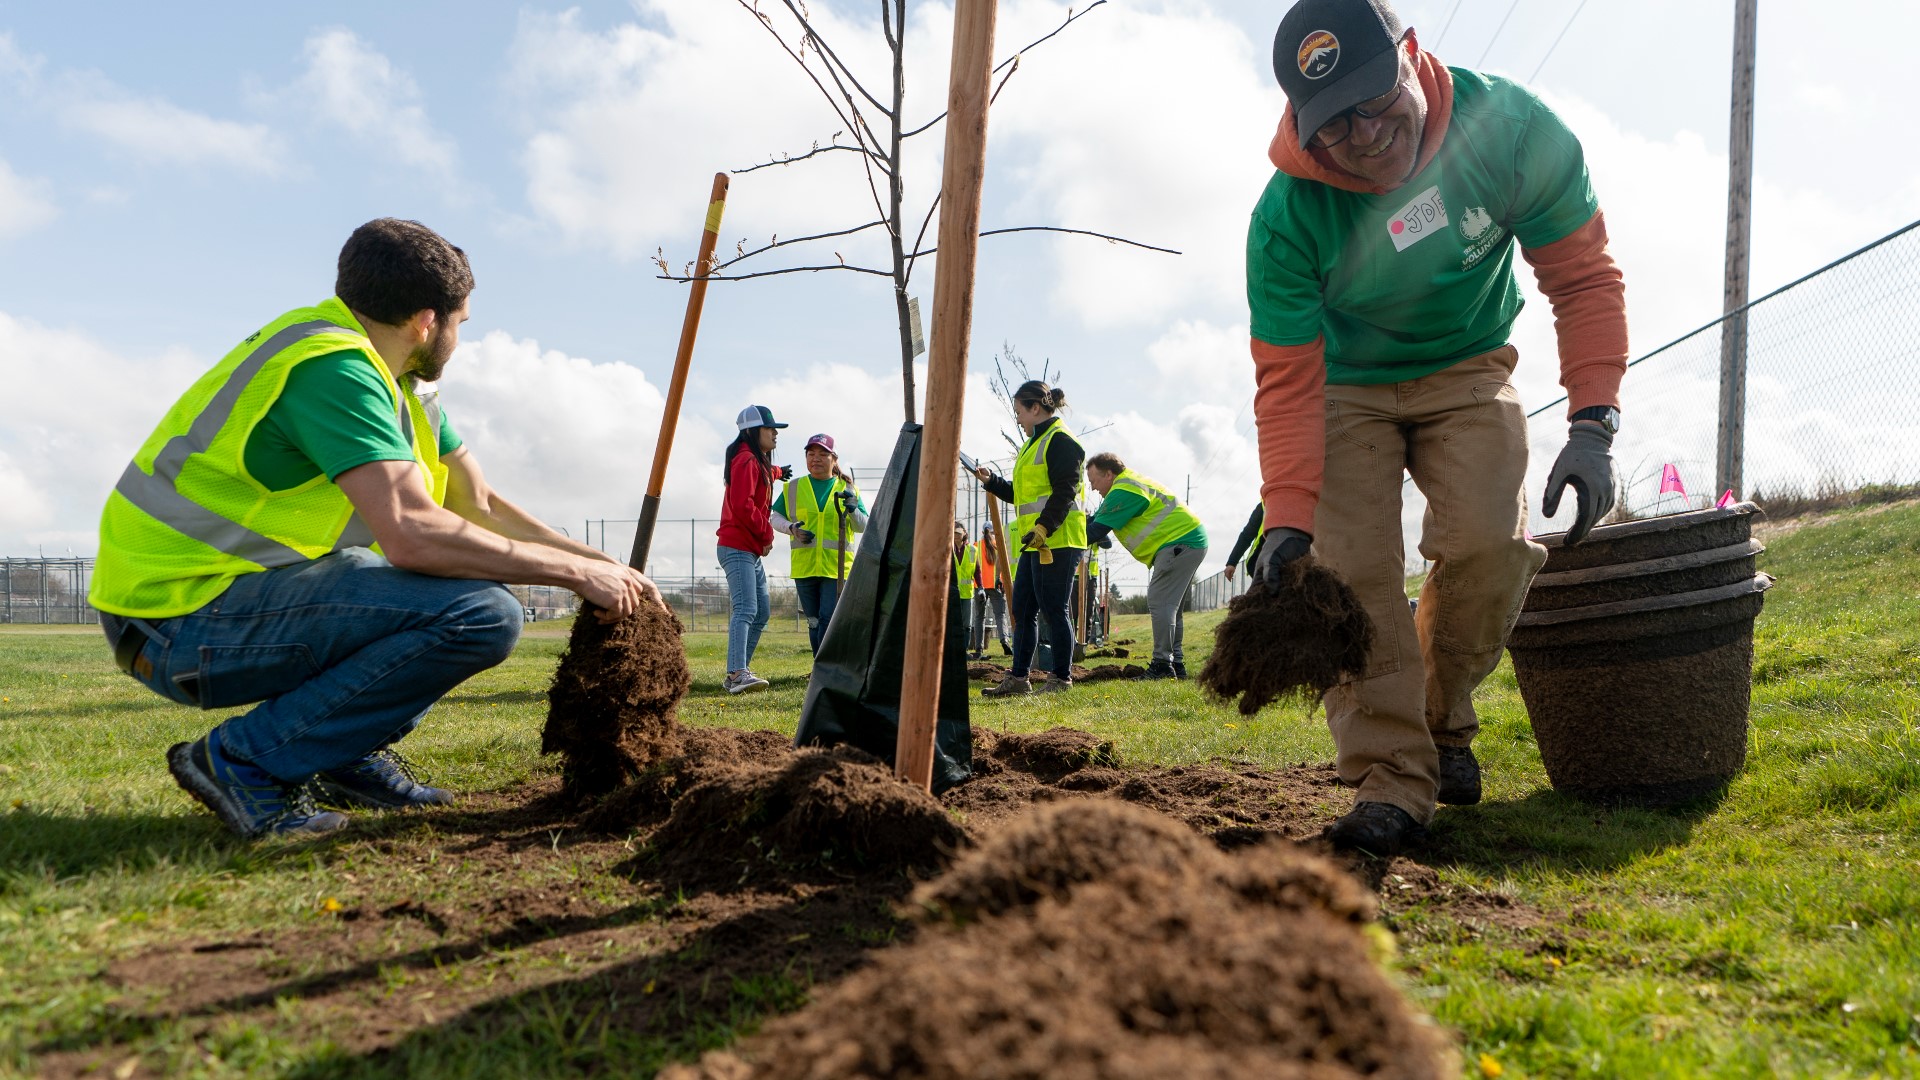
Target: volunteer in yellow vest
column 989, row 593
column 809, row 509
column 964, row 565
column 1050, row 532
column 1150, row 522
column 235, row 551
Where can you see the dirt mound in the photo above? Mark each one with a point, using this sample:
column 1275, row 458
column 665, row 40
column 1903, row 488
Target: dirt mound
column 1154, row 964
column 610, row 710
column 648, row 798
column 1110, row 671
column 833, row 806
column 990, row 672
column 1293, row 639
column 1053, row 753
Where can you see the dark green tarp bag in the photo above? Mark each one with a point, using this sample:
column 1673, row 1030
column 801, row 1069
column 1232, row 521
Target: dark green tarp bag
column 854, row 694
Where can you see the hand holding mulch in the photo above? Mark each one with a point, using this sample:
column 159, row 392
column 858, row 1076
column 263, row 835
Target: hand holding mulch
column 1297, row 633
column 610, row 710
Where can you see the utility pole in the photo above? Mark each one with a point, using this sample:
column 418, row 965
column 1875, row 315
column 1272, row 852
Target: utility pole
column 1733, row 331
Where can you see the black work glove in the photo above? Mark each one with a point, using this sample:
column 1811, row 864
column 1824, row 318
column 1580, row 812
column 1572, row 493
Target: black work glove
column 846, row 500
column 805, row 536
column 784, row 472
column 1278, row 547
column 1587, row 463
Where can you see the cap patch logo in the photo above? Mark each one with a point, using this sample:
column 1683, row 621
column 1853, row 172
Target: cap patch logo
column 1319, row 52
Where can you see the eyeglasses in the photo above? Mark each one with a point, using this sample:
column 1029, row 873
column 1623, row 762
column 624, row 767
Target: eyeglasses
column 1336, row 130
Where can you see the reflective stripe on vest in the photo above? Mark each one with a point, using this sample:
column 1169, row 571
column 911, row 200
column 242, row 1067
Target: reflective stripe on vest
column 819, row 557
column 1162, row 522
column 1032, row 488
column 186, row 518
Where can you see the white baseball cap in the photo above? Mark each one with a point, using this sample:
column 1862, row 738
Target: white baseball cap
column 754, row 416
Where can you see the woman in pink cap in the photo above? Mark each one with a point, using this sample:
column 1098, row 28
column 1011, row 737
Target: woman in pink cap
column 811, row 509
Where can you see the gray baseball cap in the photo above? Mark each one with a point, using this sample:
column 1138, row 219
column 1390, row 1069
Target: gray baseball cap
column 1331, row 55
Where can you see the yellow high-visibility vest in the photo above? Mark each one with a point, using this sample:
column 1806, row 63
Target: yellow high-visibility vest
column 963, row 566
column 1032, row 489
column 819, row 557
column 186, row 517
column 1161, row 523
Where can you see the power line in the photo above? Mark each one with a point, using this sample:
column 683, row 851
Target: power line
column 1496, row 33
column 1556, row 41
column 1451, row 12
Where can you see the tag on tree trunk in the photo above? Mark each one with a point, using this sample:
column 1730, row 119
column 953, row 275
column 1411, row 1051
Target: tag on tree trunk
column 913, row 325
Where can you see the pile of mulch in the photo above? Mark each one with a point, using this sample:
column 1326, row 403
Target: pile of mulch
column 610, row 710
column 1290, row 639
column 833, row 808
column 1097, row 940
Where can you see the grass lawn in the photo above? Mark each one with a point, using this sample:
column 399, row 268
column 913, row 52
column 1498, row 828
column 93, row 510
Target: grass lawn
column 1771, row 933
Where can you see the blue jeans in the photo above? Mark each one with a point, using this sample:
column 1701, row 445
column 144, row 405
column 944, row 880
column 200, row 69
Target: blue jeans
column 752, row 605
column 818, row 596
column 344, row 655
column 1044, row 591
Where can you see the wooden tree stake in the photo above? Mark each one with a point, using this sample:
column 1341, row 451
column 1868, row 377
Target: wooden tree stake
column 965, row 169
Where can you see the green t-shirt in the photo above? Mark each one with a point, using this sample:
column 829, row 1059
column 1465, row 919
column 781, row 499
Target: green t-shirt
column 335, row 413
column 1406, row 283
column 1122, row 505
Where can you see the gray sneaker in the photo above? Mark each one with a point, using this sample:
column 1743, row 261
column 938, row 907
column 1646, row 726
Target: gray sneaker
column 743, row 682
column 1055, row 685
column 1011, row 686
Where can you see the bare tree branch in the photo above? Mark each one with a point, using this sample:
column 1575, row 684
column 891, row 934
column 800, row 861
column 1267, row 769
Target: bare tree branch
column 784, row 160
column 833, row 58
column 832, row 102
column 779, row 243
column 1072, row 17
column 1058, row 229
column 783, row 270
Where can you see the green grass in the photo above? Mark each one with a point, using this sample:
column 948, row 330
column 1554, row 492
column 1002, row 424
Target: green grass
column 1770, row 933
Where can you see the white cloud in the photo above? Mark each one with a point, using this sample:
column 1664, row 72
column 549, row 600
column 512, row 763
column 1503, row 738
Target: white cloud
column 352, row 86
column 571, row 440
column 156, row 130
column 57, row 463
column 25, row 204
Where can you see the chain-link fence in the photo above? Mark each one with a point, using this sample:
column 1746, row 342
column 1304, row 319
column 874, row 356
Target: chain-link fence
column 43, row 590
column 1832, row 392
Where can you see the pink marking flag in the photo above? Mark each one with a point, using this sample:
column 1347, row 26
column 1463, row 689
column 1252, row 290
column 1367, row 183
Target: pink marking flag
column 1726, row 500
column 1670, row 481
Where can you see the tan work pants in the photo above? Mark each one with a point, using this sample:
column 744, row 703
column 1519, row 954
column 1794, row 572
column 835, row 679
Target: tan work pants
column 1462, row 435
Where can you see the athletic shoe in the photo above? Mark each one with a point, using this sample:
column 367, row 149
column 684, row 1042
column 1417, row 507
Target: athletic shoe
column 1459, row 776
column 1055, row 685
column 1376, row 828
column 1158, row 669
column 1011, row 686
column 382, row 780
column 743, row 682
column 1179, row 669
column 246, row 798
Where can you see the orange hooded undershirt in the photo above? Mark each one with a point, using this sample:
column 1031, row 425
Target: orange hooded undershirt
column 1576, row 274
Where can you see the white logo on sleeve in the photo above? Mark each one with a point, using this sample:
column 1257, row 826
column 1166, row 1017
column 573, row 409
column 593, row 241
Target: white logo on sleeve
column 1419, row 219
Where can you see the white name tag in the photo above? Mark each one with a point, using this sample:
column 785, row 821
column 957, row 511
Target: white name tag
column 1419, row 219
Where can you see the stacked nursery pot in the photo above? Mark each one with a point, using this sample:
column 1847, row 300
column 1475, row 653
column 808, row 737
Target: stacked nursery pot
column 1634, row 653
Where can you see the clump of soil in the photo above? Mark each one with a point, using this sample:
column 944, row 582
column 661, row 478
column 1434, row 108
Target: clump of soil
column 1166, row 959
column 610, row 710
column 838, row 805
column 1293, row 638
column 648, row 798
column 980, row 669
column 1104, row 672
column 1053, row 753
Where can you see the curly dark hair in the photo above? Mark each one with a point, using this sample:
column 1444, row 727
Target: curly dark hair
column 390, row 269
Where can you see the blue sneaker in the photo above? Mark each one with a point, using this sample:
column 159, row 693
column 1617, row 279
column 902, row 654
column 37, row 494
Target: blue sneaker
column 246, row 798
column 383, row 780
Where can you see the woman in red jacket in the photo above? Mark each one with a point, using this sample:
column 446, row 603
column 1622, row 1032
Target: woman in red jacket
column 746, row 536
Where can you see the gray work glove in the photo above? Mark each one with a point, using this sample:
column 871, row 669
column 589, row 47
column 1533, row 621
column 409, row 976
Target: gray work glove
column 1587, row 464
column 1278, row 547
column 805, row 536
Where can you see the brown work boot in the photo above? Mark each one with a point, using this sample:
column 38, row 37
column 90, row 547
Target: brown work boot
column 1055, row 685
column 1011, row 686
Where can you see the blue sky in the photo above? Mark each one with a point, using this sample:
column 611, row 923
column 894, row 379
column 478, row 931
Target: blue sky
column 169, row 182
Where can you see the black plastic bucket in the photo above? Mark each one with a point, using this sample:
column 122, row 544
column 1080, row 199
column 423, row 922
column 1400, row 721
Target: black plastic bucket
column 1634, row 653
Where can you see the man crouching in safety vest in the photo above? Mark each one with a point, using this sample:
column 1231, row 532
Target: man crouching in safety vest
column 305, row 530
